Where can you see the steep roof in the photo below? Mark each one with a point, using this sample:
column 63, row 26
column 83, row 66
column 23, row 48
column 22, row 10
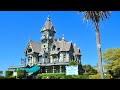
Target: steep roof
column 35, row 46
column 63, row 45
column 48, row 25
column 76, row 50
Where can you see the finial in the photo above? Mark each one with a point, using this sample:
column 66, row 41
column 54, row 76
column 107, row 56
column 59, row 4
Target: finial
column 74, row 44
column 63, row 36
column 29, row 38
column 48, row 18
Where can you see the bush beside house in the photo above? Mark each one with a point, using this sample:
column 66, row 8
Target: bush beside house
column 60, row 76
column 21, row 74
column 98, row 76
column 8, row 74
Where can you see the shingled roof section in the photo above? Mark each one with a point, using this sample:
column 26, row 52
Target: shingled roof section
column 63, row 45
column 35, row 46
column 48, row 25
column 76, row 50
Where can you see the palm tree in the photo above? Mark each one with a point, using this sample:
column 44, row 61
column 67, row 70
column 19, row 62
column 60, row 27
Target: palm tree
column 95, row 17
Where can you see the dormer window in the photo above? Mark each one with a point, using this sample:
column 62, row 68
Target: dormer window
column 29, row 50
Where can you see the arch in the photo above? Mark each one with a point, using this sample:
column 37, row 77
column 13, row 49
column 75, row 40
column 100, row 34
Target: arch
column 54, row 47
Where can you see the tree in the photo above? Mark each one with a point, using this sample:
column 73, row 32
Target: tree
column 89, row 70
column 111, row 57
column 1, row 72
column 96, row 17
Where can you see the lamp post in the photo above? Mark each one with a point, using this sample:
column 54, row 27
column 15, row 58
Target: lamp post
column 100, row 67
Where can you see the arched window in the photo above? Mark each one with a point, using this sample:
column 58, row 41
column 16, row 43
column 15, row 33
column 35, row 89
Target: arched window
column 54, row 47
column 29, row 50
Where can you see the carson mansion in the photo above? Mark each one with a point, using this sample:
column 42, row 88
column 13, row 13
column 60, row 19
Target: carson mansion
column 50, row 54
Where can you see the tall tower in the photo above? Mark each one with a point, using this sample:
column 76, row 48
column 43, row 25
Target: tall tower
column 48, row 32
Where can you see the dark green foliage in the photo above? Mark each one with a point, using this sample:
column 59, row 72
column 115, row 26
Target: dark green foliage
column 67, row 77
column 84, row 77
column 89, row 70
column 111, row 57
column 115, row 73
column 61, row 76
column 50, row 76
column 8, row 74
column 98, row 76
column 11, row 77
column 21, row 74
column 1, row 72
column 72, row 63
column 2, row 77
column 76, row 77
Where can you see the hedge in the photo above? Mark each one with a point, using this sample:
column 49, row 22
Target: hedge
column 8, row 73
column 98, row 76
column 76, row 77
column 50, row 76
column 21, row 74
column 61, row 76
column 11, row 77
column 2, row 77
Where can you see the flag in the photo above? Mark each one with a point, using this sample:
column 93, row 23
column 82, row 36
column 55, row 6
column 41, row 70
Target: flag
column 23, row 61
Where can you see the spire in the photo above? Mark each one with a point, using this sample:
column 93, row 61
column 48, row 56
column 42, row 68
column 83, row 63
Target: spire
column 74, row 44
column 48, row 25
column 63, row 37
column 29, row 39
column 48, row 18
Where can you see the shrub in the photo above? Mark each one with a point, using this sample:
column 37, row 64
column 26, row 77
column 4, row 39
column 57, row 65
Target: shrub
column 76, row 77
column 11, row 77
column 83, row 76
column 61, row 76
column 89, row 70
column 2, row 77
column 50, row 76
column 8, row 73
column 72, row 63
column 21, row 74
column 98, row 76
column 68, row 77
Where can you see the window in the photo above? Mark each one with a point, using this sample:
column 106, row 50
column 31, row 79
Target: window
column 29, row 50
column 45, row 56
column 26, row 52
column 58, row 49
column 54, row 47
column 44, row 45
column 64, row 56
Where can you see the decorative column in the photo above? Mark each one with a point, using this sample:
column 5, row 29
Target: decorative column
column 60, row 69
column 53, row 69
column 51, row 59
column 46, row 70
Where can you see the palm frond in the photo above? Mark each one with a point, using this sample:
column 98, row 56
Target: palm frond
column 95, row 16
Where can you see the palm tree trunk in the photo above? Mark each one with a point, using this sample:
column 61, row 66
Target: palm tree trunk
column 100, row 68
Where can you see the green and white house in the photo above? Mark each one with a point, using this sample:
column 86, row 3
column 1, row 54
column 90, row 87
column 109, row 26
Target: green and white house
column 50, row 54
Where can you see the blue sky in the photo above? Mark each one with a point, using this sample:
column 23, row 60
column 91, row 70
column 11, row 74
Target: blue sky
column 17, row 26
